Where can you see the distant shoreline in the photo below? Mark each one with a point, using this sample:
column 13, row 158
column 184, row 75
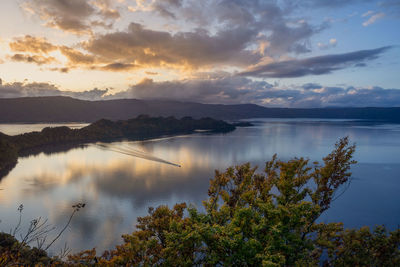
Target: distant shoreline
column 59, row 109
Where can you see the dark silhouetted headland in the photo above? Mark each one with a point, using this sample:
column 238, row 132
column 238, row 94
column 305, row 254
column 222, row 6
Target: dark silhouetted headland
column 64, row 138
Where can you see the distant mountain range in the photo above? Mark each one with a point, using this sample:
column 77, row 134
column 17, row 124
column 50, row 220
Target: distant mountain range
column 67, row 109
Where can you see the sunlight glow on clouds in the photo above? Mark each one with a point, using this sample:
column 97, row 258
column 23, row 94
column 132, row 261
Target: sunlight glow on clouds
column 165, row 47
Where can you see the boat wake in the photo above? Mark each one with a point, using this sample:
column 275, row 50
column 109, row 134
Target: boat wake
column 133, row 152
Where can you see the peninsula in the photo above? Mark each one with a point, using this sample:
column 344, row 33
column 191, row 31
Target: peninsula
column 140, row 128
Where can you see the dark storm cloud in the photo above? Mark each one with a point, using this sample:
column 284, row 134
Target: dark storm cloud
column 314, row 65
column 18, row 89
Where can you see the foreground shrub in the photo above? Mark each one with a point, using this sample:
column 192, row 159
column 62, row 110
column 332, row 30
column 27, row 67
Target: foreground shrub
column 259, row 219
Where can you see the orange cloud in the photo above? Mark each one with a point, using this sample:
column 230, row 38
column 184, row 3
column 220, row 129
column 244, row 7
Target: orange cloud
column 32, row 44
column 37, row 59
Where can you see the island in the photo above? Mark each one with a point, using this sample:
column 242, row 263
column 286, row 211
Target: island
column 63, row 138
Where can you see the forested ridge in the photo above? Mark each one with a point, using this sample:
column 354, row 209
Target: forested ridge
column 141, row 127
column 67, row 109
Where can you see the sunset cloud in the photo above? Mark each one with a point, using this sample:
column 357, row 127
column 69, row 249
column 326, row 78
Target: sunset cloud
column 258, row 32
column 33, row 89
column 74, row 16
column 32, row 44
column 76, row 57
column 185, row 49
column 215, row 51
column 36, row 59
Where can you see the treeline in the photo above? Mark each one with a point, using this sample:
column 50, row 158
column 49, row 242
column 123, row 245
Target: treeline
column 142, row 127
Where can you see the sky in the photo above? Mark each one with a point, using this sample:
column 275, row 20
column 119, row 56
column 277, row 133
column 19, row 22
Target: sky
column 283, row 53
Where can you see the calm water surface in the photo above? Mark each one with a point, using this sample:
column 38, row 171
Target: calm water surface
column 14, row 129
column 118, row 188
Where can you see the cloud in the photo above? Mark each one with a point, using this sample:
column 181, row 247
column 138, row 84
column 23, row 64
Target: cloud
column 94, row 94
column 368, row 13
column 314, row 65
column 239, row 90
column 373, row 17
column 222, row 88
column 257, row 36
column 37, row 59
column 329, row 3
column 32, row 44
column 117, row 67
column 26, row 89
column 75, row 16
column 309, row 86
column 165, row 7
column 145, row 47
column 332, row 43
column 76, row 57
column 272, row 21
column 62, row 70
column 391, row 7
column 35, row 50
column 106, row 9
column 70, row 16
column 227, row 89
column 222, row 34
column 151, row 73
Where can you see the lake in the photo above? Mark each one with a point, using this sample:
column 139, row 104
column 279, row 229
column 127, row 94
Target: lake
column 14, row 129
column 117, row 187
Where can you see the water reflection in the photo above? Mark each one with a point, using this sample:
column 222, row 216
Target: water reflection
column 14, row 129
column 117, row 187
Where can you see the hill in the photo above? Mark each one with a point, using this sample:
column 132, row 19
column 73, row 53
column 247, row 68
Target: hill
column 66, row 109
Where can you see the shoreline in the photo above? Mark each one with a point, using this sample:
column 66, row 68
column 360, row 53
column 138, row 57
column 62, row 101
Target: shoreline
column 63, row 138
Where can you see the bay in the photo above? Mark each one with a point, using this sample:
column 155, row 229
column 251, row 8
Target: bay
column 118, row 187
